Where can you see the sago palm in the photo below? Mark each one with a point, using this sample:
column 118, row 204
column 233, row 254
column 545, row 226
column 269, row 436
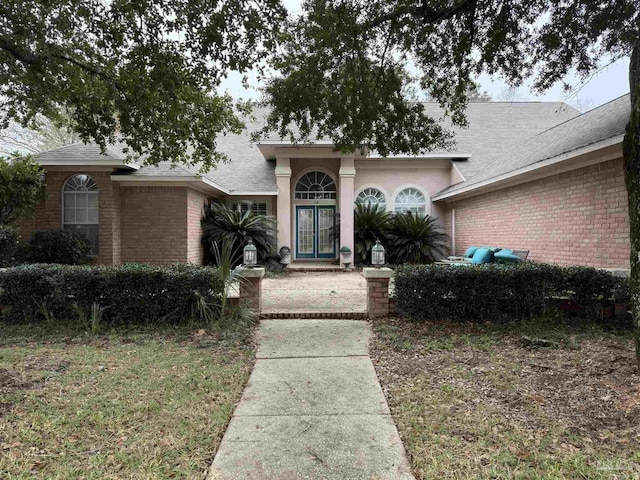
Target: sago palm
column 223, row 225
column 371, row 224
column 415, row 239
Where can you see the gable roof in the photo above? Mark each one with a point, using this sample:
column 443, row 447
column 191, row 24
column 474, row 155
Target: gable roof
column 603, row 123
column 500, row 137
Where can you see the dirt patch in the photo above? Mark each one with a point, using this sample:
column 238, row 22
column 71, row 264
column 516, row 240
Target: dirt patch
column 582, row 397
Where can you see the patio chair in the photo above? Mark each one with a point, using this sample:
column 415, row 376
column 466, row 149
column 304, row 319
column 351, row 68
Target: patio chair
column 523, row 254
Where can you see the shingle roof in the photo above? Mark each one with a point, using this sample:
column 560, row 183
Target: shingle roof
column 500, row 137
column 601, row 123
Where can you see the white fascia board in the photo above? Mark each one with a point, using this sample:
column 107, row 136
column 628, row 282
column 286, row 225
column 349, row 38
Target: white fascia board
column 213, row 184
column 423, row 156
column 252, row 194
column 91, row 163
column 167, row 178
column 535, row 166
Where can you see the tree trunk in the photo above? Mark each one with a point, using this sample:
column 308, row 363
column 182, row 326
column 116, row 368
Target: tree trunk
column 632, row 180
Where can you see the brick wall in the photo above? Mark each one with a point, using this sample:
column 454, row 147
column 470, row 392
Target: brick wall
column 154, row 224
column 574, row 218
column 49, row 213
column 195, row 209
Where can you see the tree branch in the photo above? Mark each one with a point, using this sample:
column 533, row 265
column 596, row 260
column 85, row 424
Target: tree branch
column 424, row 11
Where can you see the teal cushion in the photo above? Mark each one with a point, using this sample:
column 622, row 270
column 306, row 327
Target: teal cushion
column 504, row 251
column 482, row 255
column 470, row 251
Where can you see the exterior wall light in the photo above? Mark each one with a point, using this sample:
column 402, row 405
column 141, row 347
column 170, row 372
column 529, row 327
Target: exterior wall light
column 250, row 254
column 345, row 253
column 377, row 255
column 285, row 256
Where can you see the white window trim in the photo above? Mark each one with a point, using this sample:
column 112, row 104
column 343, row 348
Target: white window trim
column 427, row 197
column 387, row 197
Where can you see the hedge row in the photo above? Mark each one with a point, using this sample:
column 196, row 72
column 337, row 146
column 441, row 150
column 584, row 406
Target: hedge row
column 130, row 294
column 500, row 292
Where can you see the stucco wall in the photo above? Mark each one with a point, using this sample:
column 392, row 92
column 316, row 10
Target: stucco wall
column 391, row 176
column 573, row 218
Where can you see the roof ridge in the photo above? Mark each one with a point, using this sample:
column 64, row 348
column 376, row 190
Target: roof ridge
column 582, row 114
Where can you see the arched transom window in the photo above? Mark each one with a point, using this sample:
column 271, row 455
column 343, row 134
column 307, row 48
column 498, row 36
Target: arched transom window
column 316, row 186
column 80, row 210
column 411, row 200
column 372, row 197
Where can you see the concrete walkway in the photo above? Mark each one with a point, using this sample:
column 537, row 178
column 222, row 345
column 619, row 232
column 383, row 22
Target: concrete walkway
column 315, row 292
column 313, row 409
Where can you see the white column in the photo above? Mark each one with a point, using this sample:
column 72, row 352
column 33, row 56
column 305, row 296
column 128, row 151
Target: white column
column 283, row 179
column 347, row 175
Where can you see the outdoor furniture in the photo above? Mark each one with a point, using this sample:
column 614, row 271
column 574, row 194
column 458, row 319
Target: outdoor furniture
column 523, row 254
column 483, row 255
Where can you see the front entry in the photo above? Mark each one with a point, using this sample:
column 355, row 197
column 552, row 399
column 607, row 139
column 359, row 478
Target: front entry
column 313, row 231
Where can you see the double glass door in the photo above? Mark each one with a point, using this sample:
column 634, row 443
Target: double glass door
column 313, row 231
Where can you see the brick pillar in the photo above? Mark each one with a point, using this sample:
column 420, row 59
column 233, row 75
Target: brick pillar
column 251, row 288
column 377, row 291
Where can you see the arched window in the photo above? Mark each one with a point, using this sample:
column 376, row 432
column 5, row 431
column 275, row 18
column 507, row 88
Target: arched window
column 80, row 208
column 372, row 197
column 316, row 186
column 410, row 200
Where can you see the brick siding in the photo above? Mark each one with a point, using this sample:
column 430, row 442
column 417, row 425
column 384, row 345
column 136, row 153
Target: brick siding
column 573, row 218
column 195, row 209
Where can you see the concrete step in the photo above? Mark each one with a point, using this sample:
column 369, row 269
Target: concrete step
column 315, row 315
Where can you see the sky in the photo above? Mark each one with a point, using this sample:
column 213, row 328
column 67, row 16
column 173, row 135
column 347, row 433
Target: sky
column 610, row 83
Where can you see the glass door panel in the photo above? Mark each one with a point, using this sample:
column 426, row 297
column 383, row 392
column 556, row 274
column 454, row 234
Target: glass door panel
column 325, row 223
column 306, row 232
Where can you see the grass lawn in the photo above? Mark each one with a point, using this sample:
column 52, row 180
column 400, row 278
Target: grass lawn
column 128, row 404
column 494, row 402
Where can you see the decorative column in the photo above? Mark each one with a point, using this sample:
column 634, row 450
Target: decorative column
column 347, row 176
column 377, row 291
column 251, row 288
column 283, row 179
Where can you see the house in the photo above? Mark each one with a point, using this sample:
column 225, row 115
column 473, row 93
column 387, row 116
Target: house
column 538, row 176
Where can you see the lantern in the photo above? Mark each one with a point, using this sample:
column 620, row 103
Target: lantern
column 346, row 256
column 285, row 256
column 377, row 254
column 250, row 254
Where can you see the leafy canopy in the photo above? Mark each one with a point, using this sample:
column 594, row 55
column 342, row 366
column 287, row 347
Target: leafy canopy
column 344, row 70
column 144, row 72
column 21, row 189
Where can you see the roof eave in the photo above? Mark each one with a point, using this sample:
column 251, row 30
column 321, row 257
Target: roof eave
column 523, row 174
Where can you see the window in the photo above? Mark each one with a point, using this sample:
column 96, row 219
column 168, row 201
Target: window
column 372, row 197
column 80, row 211
column 259, row 208
column 315, row 186
column 410, row 200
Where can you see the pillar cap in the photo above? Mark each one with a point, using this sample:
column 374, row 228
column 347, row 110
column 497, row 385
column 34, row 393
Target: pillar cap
column 383, row 272
column 256, row 272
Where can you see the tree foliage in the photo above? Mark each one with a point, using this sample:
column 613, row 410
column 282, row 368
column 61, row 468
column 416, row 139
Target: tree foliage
column 21, row 189
column 343, row 69
column 145, row 72
column 41, row 135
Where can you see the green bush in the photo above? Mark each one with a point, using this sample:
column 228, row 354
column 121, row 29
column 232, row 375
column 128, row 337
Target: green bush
column 415, row 238
column 502, row 293
column 9, row 246
column 223, row 224
column 59, row 246
column 370, row 224
column 129, row 294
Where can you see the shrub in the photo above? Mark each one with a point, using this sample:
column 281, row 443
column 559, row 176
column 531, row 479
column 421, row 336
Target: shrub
column 223, row 224
column 127, row 294
column 370, row 224
column 9, row 246
column 500, row 292
column 66, row 247
column 415, row 239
